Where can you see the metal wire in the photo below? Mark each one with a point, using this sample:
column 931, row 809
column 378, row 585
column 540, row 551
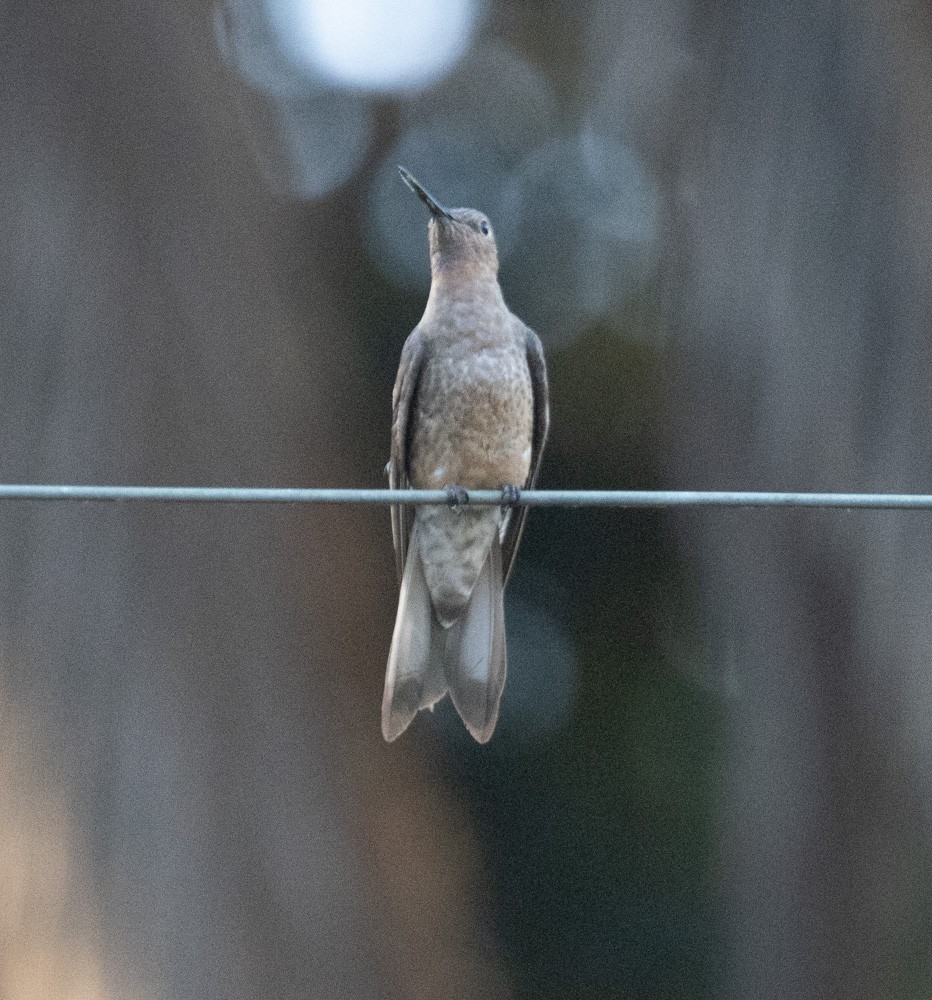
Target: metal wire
column 530, row 498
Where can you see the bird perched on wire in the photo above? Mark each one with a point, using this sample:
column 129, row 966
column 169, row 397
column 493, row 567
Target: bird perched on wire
column 470, row 411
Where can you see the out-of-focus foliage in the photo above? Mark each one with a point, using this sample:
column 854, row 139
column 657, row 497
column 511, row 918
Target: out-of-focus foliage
column 712, row 775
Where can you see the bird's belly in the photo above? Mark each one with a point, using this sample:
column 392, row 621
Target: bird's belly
column 473, row 422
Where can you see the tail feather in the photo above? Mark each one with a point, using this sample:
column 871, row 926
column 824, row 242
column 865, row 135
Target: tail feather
column 476, row 662
column 414, row 677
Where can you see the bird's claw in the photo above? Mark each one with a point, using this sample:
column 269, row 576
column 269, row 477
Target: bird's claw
column 511, row 495
column 456, row 496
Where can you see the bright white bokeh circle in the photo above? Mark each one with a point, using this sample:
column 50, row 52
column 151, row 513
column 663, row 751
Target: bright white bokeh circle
column 376, row 45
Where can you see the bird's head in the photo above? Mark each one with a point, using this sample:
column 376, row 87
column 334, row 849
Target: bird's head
column 461, row 239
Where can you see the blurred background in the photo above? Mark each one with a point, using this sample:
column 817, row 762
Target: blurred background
column 712, row 775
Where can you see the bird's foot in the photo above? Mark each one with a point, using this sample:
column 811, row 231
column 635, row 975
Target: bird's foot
column 456, row 496
column 511, row 495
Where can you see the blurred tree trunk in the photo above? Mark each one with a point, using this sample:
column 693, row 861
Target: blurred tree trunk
column 194, row 795
column 800, row 251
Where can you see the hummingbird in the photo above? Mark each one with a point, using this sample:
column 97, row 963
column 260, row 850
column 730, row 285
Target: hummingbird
column 470, row 410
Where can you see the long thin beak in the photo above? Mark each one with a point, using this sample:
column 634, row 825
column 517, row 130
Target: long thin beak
column 435, row 207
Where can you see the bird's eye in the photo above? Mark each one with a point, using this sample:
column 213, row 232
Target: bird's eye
column 485, row 228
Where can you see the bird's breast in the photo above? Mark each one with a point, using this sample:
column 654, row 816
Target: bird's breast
column 473, row 417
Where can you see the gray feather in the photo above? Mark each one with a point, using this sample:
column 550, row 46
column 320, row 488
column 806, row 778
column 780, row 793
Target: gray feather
column 476, row 662
column 414, row 677
column 513, row 526
column 409, row 371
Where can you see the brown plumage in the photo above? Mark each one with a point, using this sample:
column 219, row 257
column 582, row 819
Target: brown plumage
column 470, row 409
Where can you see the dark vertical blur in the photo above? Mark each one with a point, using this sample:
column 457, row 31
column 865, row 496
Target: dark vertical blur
column 712, row 775
column 800, row 266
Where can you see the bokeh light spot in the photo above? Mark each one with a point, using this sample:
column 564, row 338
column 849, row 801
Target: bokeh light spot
column 589, row 211
column 376, row 45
